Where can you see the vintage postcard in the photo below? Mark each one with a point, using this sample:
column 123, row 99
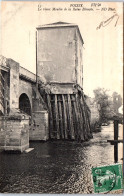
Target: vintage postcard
column 61, row 97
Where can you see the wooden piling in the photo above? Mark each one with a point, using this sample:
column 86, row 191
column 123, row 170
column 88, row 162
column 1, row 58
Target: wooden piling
column 87, row 117
column 70, row 118
column 64, row 117
column 60, row 117
column 116, row 138
column 57, row 119
column 67, row 115
column 50, row 117
column 74, row 114
column 85, row 121
column 81, row 120
column 76, row 118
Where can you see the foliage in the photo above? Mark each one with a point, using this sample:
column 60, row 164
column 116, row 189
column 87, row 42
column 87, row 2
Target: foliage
column 104, row 104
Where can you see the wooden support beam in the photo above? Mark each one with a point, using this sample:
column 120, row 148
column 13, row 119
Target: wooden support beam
column 74, row 113
column 87, row 117
column 79, row 115
column 77, row 118
column 70, row 118
column 85, row 121
column 115, row 141
column 1, row 94
column 1, row 84
column 60, row 117
column 1, row 102
column 57, row 119
column 83, row 118
column 54, row 131
column 64, row 118
column 81, row 131
column 88, row 121
column 2, row 76
column 116, row 138
column 50, row 117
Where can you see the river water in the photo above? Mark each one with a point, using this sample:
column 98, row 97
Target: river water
column 57, row 166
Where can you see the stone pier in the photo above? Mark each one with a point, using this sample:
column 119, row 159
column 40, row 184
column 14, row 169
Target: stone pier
column 14, row 132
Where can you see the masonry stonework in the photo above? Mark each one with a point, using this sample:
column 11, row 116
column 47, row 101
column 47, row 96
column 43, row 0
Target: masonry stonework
column 25, row 87
column 39, row 126
column 14, row 83
column 14, row 133
column 57, row 54
column 60, row 66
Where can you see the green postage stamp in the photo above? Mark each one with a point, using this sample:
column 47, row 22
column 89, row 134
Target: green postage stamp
column 107, row 178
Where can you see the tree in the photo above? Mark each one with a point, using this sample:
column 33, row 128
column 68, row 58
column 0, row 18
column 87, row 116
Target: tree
column 104, row 104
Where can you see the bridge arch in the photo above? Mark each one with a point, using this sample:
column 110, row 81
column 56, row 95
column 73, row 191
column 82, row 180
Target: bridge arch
column 24, row 104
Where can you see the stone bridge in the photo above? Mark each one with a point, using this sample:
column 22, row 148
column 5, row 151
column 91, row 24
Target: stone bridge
column 19, row 95
column 69, row 115
column 18, row 88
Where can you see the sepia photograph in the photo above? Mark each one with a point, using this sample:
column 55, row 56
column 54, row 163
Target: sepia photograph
column 61, row 97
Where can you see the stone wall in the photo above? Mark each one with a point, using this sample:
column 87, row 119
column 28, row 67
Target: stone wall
column 25, row 87
column 14, row 133
column 79, row 60
column 39, row 126
column 56, row 56
column 14, row 83
column 14, row 129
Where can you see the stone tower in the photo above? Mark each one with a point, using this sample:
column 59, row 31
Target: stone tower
column 60, row 65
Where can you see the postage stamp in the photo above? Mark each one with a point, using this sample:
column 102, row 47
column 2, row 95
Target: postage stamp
column 107, row 178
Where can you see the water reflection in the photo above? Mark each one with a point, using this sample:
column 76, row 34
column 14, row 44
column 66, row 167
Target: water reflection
column 56, row 167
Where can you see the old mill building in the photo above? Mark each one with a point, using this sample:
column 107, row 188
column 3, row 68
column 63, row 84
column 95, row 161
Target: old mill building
column 50, row 104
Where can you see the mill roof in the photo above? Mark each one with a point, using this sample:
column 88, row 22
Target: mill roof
column 58, row 25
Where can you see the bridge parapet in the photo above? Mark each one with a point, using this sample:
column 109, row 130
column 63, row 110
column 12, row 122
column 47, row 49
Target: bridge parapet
column 27, row 74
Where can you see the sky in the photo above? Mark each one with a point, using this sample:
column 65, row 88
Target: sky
column 103, row 43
